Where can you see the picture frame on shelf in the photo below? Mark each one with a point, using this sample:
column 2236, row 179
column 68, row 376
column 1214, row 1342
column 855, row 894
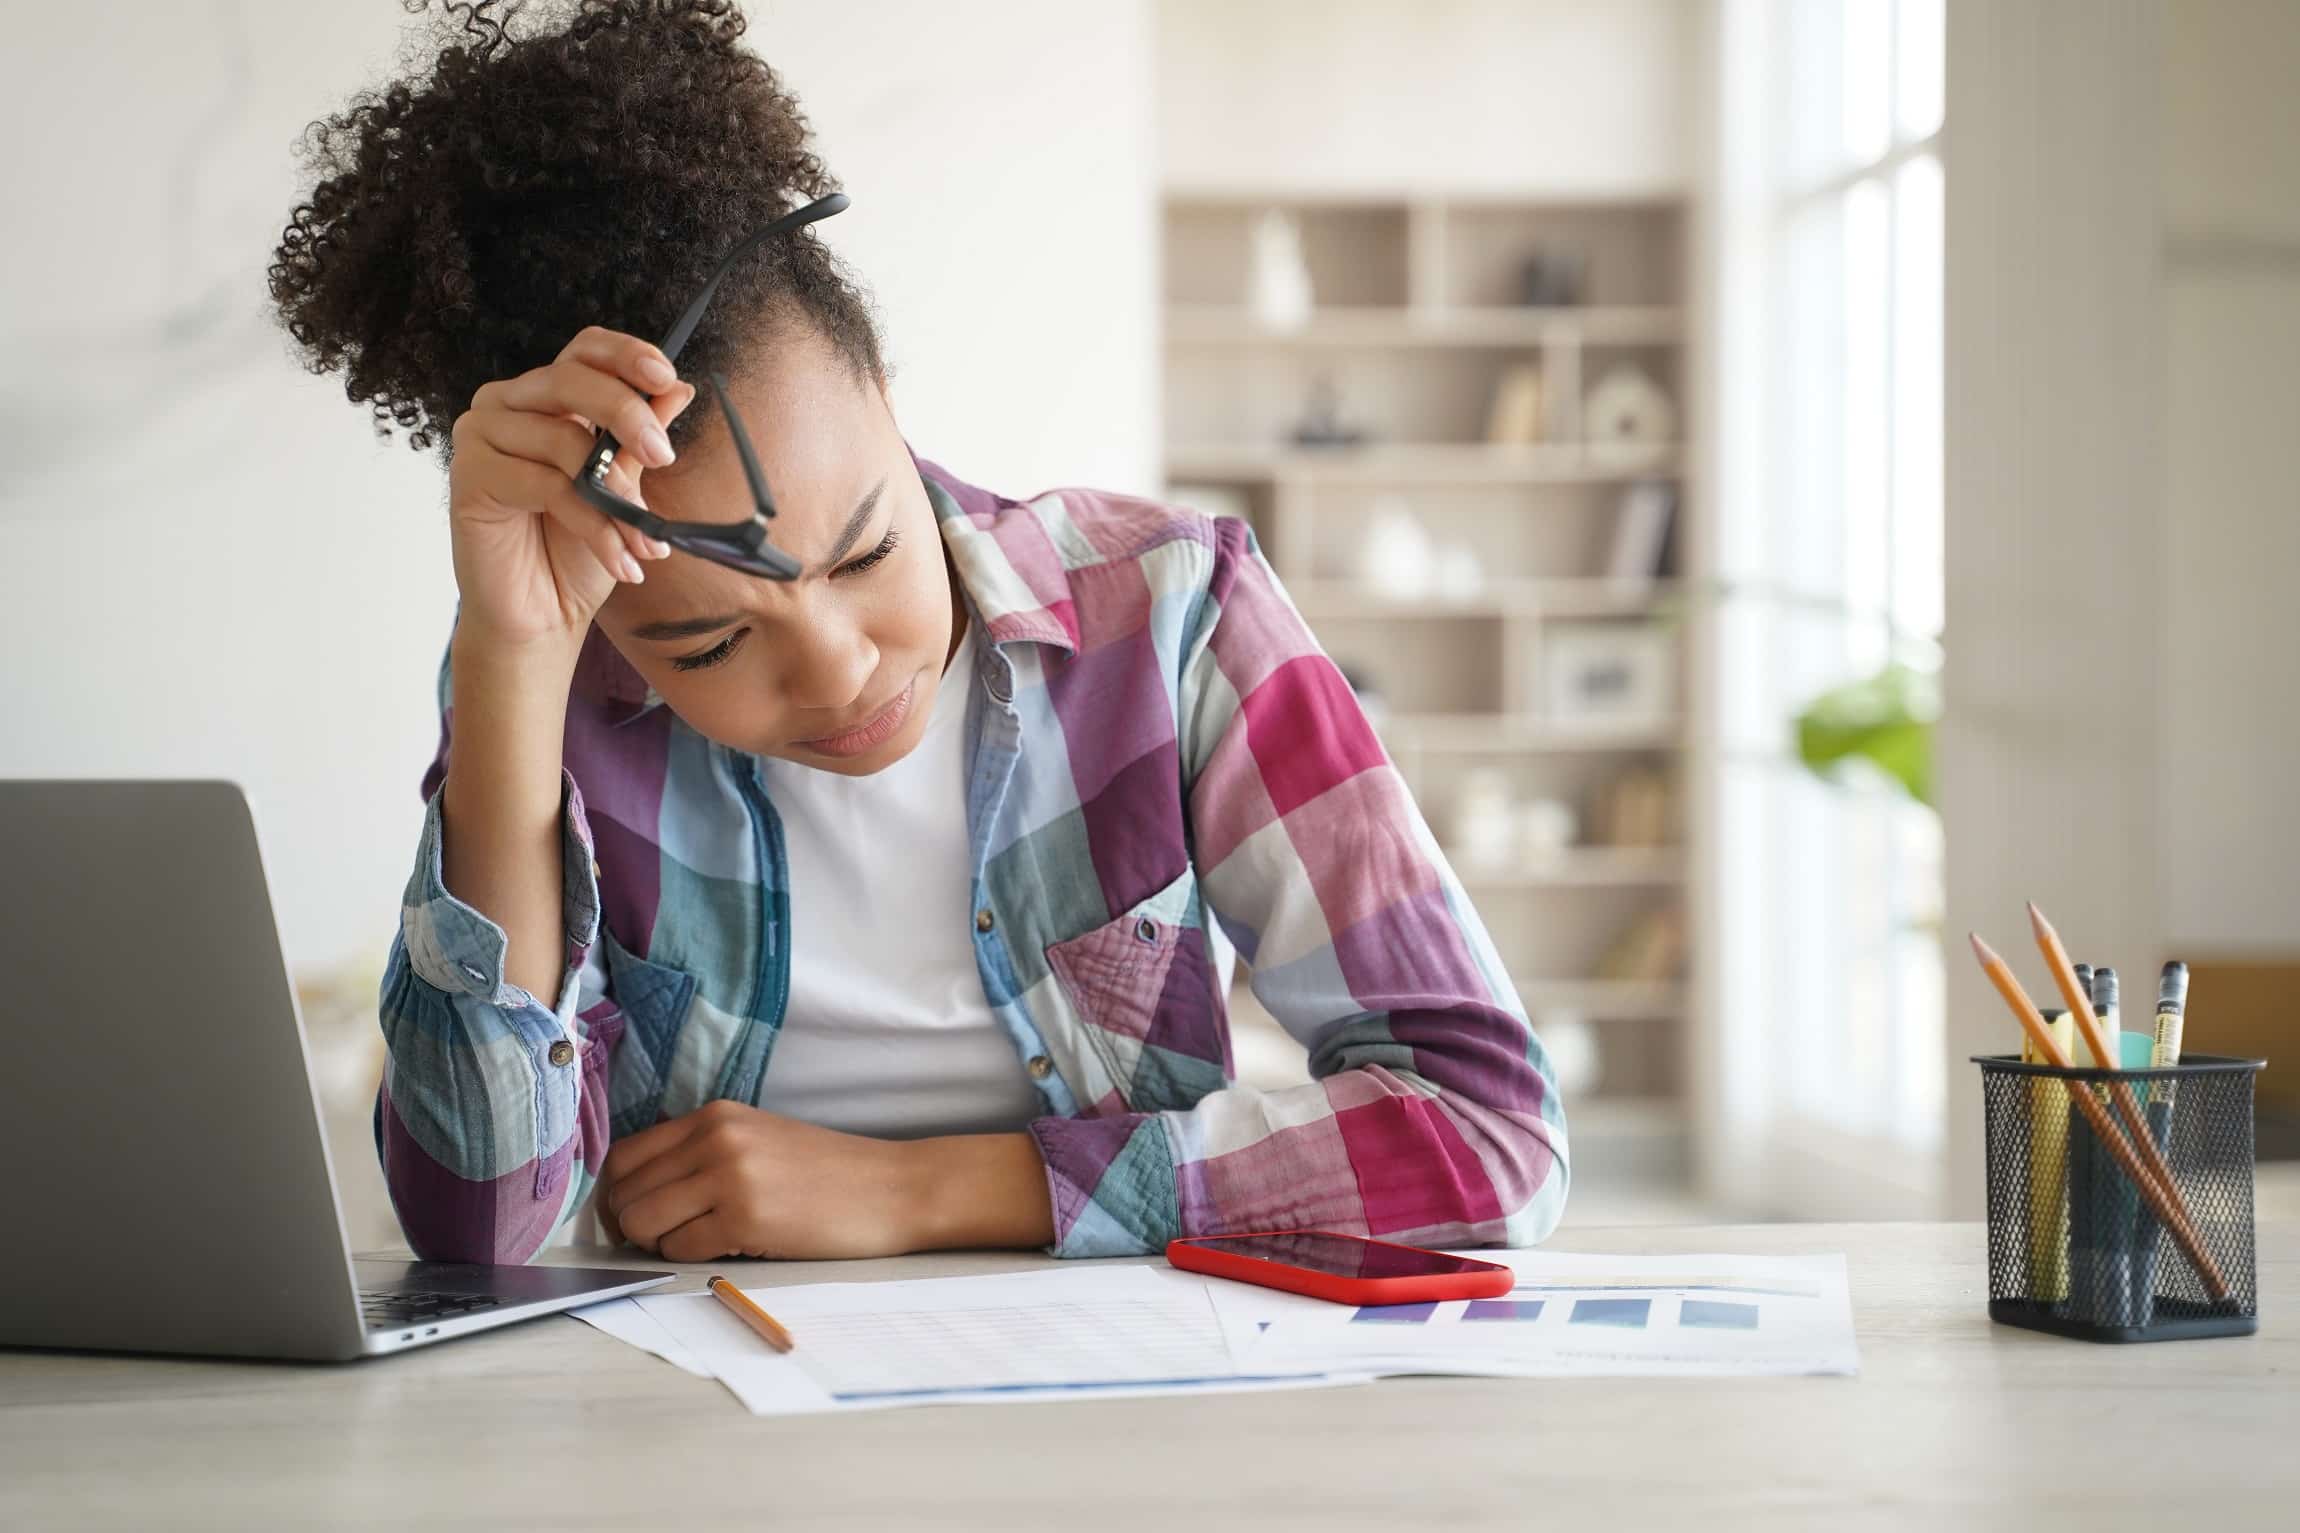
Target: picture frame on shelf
column 1595, row 675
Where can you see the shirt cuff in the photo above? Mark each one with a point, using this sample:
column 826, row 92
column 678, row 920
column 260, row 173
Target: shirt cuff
column 1112, row 1182
column 452, row 947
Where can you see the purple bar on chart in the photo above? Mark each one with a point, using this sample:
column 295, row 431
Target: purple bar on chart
column 1716, row 1315
column 1503, row 1309
column 1627, row 1313
column 1396, row 1314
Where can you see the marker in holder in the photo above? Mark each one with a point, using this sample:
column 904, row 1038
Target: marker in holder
column 2073, row 1246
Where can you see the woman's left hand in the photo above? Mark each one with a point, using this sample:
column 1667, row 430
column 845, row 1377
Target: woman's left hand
column 731, row 1180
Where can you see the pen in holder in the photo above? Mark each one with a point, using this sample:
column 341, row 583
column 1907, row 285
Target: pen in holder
column 2076, row 1246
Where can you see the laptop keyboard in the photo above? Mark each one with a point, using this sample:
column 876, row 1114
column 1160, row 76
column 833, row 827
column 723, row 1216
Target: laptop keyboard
column 386, row 1308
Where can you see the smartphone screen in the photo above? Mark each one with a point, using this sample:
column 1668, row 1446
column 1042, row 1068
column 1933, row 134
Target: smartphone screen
column 1341, row 1255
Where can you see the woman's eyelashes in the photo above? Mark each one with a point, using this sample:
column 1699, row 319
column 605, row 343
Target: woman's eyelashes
column 718, row 652
column 886, row 545
column 711, row 656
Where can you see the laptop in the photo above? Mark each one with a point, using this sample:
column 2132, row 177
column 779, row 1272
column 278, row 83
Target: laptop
column 169, row 1186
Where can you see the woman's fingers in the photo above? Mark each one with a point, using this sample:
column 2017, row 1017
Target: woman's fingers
column 534, row 486
column 571, row 387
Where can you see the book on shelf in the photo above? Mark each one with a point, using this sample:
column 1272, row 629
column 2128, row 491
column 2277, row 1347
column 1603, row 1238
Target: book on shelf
column 1642, row 525
column 1515, row 415
column 1651, row 949
column 1634, row 809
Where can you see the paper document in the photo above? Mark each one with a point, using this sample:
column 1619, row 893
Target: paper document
column 1572, row 1314
column 998, row 1338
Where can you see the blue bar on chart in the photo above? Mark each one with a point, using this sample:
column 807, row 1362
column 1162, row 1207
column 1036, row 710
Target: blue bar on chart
column 1503, row 1309
column 1630, row 1314
column 1395, row 1314
column 1717, row 1315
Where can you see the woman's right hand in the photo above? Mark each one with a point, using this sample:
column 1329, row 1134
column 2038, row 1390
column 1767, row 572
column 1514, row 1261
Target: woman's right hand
column 534, row 561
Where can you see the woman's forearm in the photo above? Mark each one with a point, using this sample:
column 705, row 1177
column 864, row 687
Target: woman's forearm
column 500, row 806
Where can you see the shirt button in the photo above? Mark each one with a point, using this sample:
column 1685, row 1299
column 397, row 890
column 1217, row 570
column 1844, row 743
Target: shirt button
column 984, row 920
column 1040, row 1067
column 562, row 1053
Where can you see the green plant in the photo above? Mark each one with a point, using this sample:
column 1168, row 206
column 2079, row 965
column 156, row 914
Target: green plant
column 1886, row 720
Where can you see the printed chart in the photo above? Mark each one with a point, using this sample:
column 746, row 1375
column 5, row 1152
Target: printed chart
column 1581, row 1314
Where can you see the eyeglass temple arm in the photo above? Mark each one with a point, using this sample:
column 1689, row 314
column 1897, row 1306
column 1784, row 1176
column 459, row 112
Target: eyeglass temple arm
column 822, row 207
column 742, row 439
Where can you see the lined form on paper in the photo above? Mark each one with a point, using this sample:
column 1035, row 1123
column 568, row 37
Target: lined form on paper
column 1000, row 1338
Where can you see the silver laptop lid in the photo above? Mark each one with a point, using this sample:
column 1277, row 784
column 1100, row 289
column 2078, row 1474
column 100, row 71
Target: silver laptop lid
column 156, row 1109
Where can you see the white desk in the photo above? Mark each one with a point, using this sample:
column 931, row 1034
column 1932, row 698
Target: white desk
column 550, row 1424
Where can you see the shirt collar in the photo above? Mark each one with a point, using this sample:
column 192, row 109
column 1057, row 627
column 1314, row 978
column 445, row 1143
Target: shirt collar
column 1009, row 565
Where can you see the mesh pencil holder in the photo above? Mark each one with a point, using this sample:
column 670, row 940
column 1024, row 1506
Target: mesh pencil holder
column 2077, row 1246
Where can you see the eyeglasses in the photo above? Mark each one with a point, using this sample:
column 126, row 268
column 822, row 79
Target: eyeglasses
column 737, row 545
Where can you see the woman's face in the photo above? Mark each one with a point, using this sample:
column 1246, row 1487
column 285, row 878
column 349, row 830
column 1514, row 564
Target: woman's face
column 839, row 668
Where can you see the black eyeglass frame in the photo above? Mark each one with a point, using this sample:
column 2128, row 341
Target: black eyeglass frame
column 737, row 545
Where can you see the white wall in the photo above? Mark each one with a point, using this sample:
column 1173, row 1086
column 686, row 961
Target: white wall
column 2054, row 505
column 1386, row 96
column 211, row 566
column 2231, row 539
column 2123, row 528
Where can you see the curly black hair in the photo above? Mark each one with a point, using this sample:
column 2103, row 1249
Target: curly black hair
column 467, row 222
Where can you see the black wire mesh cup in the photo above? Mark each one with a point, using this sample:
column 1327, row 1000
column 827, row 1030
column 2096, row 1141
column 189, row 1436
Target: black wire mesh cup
column 2073, row 1246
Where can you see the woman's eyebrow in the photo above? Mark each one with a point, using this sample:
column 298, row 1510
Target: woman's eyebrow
column 855, row 522
column 684, row 627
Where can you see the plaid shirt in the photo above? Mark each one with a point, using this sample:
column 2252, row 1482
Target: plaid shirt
column 1157, row 741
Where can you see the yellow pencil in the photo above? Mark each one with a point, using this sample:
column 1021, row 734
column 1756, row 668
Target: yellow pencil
column 2048, row 1170
column 769, row 1328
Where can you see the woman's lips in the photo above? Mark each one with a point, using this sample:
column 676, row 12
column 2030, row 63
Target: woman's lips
column 864, row 737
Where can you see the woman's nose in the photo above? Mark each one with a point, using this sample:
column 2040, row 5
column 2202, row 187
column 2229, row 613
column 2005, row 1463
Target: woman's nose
column 829, row 667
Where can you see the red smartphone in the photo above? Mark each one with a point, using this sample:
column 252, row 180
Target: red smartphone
column 1348, row 1269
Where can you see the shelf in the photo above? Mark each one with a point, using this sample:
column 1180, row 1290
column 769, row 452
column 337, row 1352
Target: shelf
column 1471, row 733
column 1394, row 463
column 1579, row 867
column 1337, row 600
column 1226, row 325
column 1617, row 1000
column 1625, row 1117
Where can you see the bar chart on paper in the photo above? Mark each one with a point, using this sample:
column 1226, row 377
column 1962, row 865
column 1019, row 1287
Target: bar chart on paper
column 1577, row 1314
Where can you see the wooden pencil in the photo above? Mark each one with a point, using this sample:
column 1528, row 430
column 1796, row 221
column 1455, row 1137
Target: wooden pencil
column 769, row 1328
column 2163, row 1198
column 2104, row 1045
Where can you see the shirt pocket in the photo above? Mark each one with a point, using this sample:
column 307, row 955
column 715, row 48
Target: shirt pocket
column 1141, row 987
column 654, row 1000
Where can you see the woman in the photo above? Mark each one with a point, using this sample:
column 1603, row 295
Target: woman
column 868, row 911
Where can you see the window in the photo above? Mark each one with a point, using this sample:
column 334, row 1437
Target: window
column 1829, row 554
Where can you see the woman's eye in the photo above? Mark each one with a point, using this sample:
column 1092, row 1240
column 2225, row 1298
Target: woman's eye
column 886, row 545
column 711, row 656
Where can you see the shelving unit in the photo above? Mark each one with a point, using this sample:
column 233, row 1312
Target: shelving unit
column 1415, row 325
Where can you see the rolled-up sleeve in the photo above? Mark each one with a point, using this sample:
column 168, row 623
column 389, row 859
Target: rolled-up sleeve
column 491, row 1121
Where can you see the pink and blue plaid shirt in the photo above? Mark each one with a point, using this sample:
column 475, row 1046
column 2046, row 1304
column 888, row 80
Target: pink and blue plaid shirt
column 1157, row 742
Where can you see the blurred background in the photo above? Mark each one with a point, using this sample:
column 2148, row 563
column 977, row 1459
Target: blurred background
column 1793, row 479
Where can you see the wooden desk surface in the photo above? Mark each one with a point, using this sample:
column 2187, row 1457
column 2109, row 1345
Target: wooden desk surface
column 1953, row 1423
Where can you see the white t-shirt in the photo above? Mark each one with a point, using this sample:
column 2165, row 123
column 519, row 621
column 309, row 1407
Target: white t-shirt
column 887, row 1032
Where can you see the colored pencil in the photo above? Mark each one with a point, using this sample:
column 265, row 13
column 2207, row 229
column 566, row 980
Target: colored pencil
column 2163, row 1198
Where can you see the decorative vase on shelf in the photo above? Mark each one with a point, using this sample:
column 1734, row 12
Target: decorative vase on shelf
column 1546, row 828
column 1282, row 298
column 1397, row 559
column 1571, row 1044
column 1484, row 819
column 1629, row 418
